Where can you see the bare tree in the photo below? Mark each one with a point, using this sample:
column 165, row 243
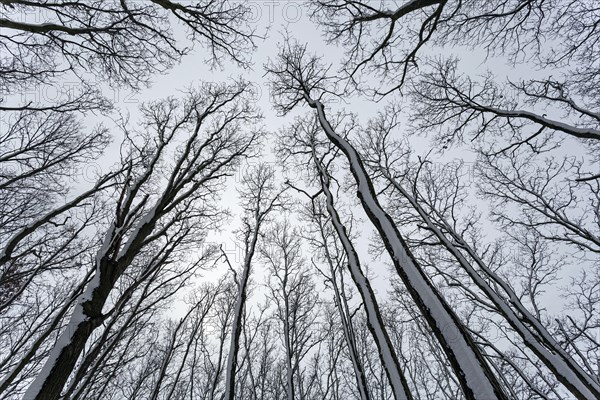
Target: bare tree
column 292, row 290
column 260, row 198
column 404, row 30
column 391, row 40
column 325, row 241
column 303, row 139
column 39, row 151
column 262, row 380
column 210, row 120
column 551, row 203
column 140, row 301
column 456, row 105
column 91, row 274
column 527, row 324
column 42, row 140
column 122, row 42
column 298, row 77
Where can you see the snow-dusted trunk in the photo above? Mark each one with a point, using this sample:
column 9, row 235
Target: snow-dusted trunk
column 14, row 373
column 257, row 186
column 87, row 314
column 387, row 353
column 86, row 317
column 237, row 324
column 198, row 163
column 287, row 340
column 95, row 358
column 349, row 335
column 475, row 376
column 534, row 334
column 357, row 366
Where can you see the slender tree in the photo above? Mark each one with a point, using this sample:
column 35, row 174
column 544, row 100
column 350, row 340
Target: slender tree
column 259, row 198
column 297, row 77
column 140, row 219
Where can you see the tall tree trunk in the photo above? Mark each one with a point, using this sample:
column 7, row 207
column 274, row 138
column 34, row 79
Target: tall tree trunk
column 387, row 353
column 476, row 378
column 533, row 333
column 236, row 327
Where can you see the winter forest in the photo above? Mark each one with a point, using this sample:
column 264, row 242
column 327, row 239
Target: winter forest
column 299, row 200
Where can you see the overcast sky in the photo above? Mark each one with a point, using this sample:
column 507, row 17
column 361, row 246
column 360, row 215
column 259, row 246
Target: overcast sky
column 271, row 19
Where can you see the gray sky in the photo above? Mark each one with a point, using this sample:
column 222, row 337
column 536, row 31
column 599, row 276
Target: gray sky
column 273, row 18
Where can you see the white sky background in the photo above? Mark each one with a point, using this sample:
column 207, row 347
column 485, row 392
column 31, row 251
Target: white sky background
column 273, row 18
